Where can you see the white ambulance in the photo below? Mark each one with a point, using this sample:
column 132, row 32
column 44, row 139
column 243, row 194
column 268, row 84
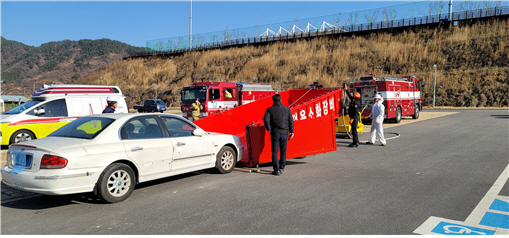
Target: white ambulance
column 53, row 106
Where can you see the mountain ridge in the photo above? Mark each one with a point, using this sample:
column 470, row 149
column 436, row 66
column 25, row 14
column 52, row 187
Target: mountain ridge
column 57, row 61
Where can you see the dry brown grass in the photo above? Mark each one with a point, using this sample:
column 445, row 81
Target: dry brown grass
column 472, row 62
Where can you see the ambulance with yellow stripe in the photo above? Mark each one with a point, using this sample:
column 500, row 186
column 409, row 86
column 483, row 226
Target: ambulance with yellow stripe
column 53, row 106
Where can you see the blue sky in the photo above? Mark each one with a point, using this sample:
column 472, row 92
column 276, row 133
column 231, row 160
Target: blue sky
column 134, row 22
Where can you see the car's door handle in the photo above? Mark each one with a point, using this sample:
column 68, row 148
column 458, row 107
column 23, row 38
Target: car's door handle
column 136, row 148
column 180, row 143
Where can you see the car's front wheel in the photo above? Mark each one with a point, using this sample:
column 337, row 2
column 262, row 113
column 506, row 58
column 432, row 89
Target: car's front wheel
column 225, row 160
column 116, row 183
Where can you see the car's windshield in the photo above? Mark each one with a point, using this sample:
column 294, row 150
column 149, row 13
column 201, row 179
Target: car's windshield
column 84, row 128
column 23, row 107
column 158, row 101
column 189, row 95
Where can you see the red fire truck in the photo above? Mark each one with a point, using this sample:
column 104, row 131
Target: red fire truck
column 219, row 96
column 402, row 95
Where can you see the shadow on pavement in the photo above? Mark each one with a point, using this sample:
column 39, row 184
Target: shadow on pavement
column 500, row 116
column 46, row 202
column 40, row 202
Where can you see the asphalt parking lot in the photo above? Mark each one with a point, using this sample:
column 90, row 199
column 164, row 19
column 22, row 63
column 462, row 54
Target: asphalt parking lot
column 441, row 165
column 10, row 194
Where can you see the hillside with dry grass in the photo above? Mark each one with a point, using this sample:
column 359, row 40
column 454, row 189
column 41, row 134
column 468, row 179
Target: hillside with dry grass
column 472, row 65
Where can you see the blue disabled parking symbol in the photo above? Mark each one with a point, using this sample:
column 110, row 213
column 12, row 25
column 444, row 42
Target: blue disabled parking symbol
column 446, row 228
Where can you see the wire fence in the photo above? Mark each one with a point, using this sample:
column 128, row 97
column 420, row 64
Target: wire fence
column 413, row 14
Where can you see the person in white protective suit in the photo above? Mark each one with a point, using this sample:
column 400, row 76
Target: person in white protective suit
column 377, row 115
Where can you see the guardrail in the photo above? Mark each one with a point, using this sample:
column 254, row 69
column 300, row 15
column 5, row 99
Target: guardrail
column 168, row 47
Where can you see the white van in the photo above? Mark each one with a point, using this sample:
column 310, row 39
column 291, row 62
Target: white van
column 53, row 106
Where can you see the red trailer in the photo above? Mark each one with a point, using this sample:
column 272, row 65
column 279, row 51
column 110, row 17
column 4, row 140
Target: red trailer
column 314, row 111
column 220, row 96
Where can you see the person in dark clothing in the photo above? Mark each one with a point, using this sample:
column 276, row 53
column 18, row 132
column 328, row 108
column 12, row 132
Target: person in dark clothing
column 112, row 104
column 278, row 121
column 353, row 112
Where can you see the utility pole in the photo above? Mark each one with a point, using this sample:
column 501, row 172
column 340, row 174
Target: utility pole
column 191, row 26
column 450, row 10
column 156, row 89
column 434, row 84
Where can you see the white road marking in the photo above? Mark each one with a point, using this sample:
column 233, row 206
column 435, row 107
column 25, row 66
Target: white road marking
column 432, row 222
column 474, row 219
column 478, row 213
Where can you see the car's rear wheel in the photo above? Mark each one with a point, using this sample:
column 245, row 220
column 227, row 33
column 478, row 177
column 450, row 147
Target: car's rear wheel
column 116, row 183
column 225, row 160
column 22, row 136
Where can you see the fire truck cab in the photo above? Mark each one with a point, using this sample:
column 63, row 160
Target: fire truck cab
column 402, row 95
column 220, row 96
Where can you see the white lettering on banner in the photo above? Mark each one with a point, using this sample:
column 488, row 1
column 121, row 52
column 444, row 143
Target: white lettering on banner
column 325, row 108
column 302, row 114
column 311, row 114
column 318, row 110
column 322, row 108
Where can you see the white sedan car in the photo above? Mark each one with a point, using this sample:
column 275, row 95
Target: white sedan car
column 108, row 154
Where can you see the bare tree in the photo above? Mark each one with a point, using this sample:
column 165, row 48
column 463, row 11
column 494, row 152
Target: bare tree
column 227, row 35
column 159, row 46
column 432, row 8
column 169, row 43
column 337, row 22
column 491, row 6
column 198, row 41
column 441, row 4
column 213, row 39
column 385, row 15
column 181, row 43
column 372, row 16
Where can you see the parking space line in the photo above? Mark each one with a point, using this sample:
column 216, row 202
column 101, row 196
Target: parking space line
column 489, row 217
column 484, row 205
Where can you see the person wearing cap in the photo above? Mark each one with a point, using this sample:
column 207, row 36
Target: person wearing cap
column 353, row 112
column 377, row 115
column 195, row 109
column 112, row 104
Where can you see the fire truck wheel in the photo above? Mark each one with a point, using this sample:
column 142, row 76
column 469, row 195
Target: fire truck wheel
column 225, row 161
column 416, row 112
column 398, row 115
column 22, row 136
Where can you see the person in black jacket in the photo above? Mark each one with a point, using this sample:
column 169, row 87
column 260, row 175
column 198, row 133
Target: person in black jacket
column 278, row 121
column 353, row 112
column 112, row 104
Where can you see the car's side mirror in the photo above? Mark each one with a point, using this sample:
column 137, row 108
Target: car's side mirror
column 39, row 112
column 199, row 132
